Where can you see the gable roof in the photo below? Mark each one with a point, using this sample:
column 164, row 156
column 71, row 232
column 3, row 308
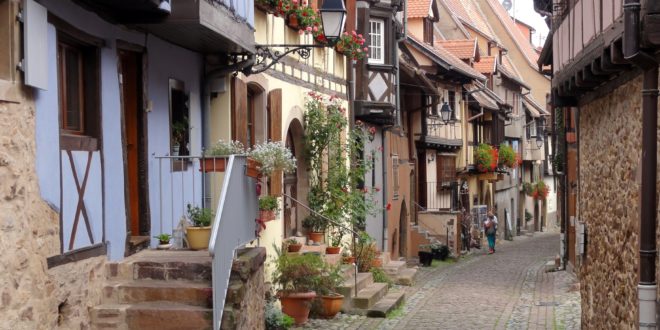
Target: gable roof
column 419, row 8
column 487, row 65
column 514, row 32
column 463, row 49
column 444, row 58
column 471, row 15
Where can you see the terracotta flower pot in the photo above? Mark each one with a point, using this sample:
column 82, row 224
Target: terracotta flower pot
column 331, row 305
column 332, row 249
column 349, row 260
column 212, row 165
column 198, row 237
column 292, row 21
column 377, row 262
column 267, row 215
column 294, row 247
column 317, row 237
column 297, row 305
column 252, row 168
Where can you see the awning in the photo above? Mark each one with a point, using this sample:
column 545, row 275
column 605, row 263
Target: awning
column 534, row 108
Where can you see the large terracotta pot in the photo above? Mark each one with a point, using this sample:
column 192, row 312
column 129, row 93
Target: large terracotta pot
column 198, row 237
column 332, row 249
column 294, row 247
column 297, row 305
column 317, row 237
column 331, row 305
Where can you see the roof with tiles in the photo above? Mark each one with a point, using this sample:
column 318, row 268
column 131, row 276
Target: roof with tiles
column 463, row 49
column 419, row 8
column 454, row 62
column 523, row 44
column 486, row 65
column 470, row 13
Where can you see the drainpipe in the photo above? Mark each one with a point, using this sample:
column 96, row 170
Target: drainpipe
column 647, row 286
column 384, row 159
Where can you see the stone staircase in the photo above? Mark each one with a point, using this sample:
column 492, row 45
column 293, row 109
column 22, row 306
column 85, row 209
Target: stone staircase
column 156, row 290
column 372, row 299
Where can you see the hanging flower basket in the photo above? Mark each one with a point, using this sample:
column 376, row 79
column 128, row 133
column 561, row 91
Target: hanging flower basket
column 485, row 157
column 267, row 215
column 540, row 191
column 507, row 156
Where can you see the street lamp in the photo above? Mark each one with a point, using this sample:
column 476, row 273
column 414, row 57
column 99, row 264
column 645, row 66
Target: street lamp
column 445, row 113
column 333, row 19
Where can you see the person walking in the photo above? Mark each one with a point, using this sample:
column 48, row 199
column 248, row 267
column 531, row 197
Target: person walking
column 490, row 229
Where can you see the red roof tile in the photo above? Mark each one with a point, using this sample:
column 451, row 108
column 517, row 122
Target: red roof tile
column 419, row 8
column 463, row 49
column 486, row 65
column 449, row 58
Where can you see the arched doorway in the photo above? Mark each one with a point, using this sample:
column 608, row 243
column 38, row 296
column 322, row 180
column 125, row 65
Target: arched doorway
column 403, row 230
column 295, row 182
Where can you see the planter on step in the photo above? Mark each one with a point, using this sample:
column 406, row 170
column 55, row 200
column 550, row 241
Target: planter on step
column 198, row 237
column 377, row 262
column 331, row 305
column 297, row 305
column 348, row 260
column 317, row 237
column 425, row 258
column 294, row 247
column 332, row 249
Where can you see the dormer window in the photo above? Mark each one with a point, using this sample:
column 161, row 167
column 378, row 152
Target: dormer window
column 428, row 31
column 376, row 41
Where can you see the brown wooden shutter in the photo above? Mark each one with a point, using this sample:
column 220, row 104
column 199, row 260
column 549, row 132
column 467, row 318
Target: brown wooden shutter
column 275, row 126
column 239, row 111
column 439, row 163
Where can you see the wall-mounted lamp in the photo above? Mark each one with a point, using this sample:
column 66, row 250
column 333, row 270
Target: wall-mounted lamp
column 333, row 18
column 431, row 159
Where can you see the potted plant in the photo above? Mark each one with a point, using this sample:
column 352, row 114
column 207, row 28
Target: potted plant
column 347, row 258
column 540, row 191
column 351, row 45
column 331, row 301
column 163, row 241
column 293, row 245
column 179, row 129
column 485, row 158
column 425, row 255
column 296, row 276
column 199, row 233
column 439, row 251
column 215, row 158
column 275, row 319
column 268, row 208
column 273, row 156
column 365, row 252
column 507, row 156
column 335, row 241
column 315, row 226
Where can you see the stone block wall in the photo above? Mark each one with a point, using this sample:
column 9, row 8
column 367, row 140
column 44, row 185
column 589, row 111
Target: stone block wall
column 245, row 302
column 608, row 202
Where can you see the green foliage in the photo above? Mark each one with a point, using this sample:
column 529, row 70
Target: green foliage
column 507, row 156
column 528, row 216
column 179, row 129
column 200, row 217
column 558, row 157
column 275, row 319
column 163, row 238
column 337, row 235
column 528, row 188
column 297, row 273
column 380, row 276
column 268, row 203
column 315, row 223
column 485, row 157
column 366, row 252
column 330, row 278
column 226, row 148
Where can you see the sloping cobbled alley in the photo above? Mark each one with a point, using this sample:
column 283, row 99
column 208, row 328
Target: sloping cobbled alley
column 506, row 290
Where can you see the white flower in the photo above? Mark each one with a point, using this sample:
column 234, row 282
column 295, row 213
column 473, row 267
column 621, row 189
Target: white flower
column 273, row 156
column 225, row 148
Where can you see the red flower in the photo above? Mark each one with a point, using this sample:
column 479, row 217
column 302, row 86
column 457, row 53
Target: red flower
column 389, row 206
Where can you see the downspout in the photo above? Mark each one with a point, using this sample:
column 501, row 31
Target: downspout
column 384, row 190
column 647, row 286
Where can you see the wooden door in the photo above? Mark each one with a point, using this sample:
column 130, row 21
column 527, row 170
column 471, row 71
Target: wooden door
column 131, row 102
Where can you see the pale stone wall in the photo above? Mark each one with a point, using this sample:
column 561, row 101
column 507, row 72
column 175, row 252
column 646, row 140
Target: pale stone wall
column 31, row 295
column 610, row 151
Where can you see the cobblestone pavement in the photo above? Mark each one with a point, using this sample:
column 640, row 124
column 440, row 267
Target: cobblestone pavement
column 507, row 290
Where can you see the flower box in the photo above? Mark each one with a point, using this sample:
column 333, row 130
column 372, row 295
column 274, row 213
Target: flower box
column 267, row 215
column 213, row 164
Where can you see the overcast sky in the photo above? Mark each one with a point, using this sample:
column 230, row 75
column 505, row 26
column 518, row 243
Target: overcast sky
column 524, row 11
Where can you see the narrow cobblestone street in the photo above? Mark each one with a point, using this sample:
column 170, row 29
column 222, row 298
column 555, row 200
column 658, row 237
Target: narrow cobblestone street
column 507, row 290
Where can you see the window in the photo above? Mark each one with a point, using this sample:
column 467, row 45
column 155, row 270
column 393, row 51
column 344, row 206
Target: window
column 395, row 176
column 446, row 166
column 376, row 41
column 532, row 129
column 179, row 124
column 78, row 87
column 428, row 31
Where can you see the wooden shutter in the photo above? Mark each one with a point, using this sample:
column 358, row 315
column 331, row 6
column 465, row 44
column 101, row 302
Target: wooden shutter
column 439, row 163
column 239, row 111
column 275, row 127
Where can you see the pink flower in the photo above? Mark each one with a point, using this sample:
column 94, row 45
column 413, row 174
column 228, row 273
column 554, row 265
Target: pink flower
column 359, row 36
column 361, row 42
column 309, row 29
column 295, row 2
column 301, row 32
column 354, row 33
column 315, row 29
column 365, row 49
column 372, row 130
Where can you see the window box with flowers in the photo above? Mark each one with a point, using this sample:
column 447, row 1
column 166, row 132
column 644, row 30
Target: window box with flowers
column 507, row 157
column 485, row 157
column 215, row 158
column 351, row 45
column 540, row 190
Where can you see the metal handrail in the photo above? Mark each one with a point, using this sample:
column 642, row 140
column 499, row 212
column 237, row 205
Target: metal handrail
column 355, row 234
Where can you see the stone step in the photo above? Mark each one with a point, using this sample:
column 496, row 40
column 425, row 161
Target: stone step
column 394, row 267
column 384, row 306
column 163, row 265
column 190, row 293
column 406, row 277
column 368, row 297
column 348, row 288
column 332, row 259
column 151, row 315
